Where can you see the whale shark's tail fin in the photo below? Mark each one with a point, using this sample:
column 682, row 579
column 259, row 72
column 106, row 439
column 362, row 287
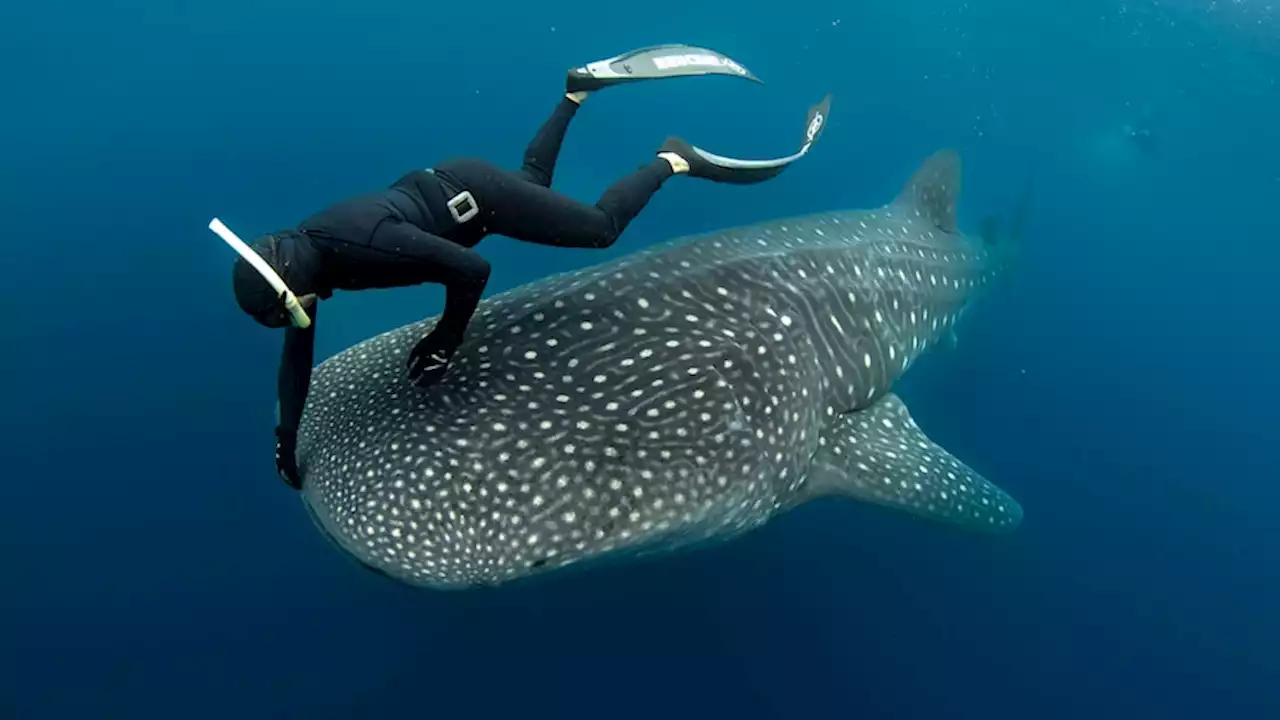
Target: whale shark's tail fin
column 1006, row 248
column 1023, row 211
column 933, row 190
column 879, row 455
column 989, row 230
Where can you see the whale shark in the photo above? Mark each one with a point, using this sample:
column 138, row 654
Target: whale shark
column 679, row 396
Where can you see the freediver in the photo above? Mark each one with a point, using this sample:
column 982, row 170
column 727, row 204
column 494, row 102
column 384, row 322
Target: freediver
column 422, row 228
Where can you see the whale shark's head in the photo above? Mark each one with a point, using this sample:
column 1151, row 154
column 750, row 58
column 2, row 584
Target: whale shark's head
column 529, row 454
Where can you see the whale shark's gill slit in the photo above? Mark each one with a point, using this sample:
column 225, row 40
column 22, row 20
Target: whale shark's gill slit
column 335, row 542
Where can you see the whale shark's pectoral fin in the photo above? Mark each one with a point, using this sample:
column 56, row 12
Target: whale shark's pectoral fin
column 879, row 455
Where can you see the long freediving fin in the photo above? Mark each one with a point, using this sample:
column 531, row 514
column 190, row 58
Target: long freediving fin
column 879, row 455
column 654, row 63
column 720, row 168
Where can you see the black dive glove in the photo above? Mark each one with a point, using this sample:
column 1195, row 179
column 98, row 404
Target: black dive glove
column 430, row 358
column 286, row 462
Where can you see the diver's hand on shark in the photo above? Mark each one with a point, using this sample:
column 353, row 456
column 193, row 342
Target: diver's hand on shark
column 286, row 462
column 430, row 358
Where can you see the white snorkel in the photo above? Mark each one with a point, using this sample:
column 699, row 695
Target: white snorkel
column 297, row 315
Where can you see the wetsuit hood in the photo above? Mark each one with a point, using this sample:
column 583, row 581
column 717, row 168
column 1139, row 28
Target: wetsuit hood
column 254, row 294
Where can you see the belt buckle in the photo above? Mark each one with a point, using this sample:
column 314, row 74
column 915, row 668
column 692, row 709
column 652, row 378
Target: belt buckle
column 463, row 206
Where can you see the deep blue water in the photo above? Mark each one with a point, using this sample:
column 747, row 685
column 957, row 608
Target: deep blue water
column 1120, row 385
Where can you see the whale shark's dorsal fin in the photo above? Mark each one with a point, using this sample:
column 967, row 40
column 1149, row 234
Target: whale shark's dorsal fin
column 879, row 455
column 933, row 190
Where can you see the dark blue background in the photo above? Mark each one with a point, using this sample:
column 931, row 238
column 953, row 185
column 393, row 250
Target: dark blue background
column 1121, row 384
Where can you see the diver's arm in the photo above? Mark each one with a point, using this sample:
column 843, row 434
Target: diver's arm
column 425, row 258
column 295, row 374
column 421, row 257
column 293, row 382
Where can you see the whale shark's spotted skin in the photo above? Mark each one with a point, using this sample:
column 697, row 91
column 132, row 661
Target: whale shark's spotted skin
column 682, row 394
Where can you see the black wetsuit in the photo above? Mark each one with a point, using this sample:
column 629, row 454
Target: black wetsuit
column 406, row 235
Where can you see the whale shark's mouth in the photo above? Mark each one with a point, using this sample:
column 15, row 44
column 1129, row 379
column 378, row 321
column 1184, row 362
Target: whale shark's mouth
column 333, row 540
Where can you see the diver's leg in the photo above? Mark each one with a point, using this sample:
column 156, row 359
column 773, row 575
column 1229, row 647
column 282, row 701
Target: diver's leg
column 540, row 157
column 525, row 211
